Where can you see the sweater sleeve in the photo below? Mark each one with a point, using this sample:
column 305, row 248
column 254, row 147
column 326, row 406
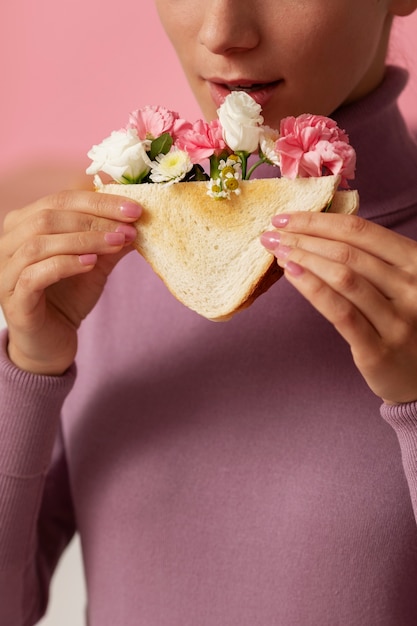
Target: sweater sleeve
column 403, row 419
column 30, row 408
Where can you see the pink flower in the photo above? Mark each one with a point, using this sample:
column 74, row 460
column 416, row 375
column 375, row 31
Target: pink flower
column 313, row 145
column 202, row 140
column 152, row 121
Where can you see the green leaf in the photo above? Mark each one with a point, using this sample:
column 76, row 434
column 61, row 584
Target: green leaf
column 160, row 145
column 198, row 173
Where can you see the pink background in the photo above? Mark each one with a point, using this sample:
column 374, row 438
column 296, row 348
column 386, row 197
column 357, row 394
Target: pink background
column 71, row 72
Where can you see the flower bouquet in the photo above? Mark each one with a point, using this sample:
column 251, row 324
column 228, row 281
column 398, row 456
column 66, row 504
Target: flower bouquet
column 208, row 252
column 157, row 146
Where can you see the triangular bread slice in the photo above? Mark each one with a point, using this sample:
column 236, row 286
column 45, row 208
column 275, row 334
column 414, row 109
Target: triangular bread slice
column 208, row 252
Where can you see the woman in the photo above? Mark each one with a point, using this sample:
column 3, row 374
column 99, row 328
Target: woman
column 235, row 473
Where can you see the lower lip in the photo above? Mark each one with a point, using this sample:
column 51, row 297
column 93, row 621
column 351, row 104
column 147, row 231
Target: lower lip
column 262, row 96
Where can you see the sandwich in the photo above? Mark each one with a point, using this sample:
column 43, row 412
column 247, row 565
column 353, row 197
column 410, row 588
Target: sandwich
column 201, row 226
column 207, row 252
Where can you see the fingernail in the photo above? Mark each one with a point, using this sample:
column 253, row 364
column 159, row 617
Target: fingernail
column 128, row 231
column 115, row 239
column 88, row 259
column 282, row 252
column 270, row 239
column 280, row 220
column 130, row 209
column 294, row 269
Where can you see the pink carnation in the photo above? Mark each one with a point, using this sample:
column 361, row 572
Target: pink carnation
column 312, row 145
column 202, row 140
column 152, row 121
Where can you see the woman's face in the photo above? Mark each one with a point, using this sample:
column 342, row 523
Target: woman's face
column 293, row 56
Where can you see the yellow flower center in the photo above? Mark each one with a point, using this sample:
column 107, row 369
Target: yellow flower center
column 227, row 171
column 231, row 184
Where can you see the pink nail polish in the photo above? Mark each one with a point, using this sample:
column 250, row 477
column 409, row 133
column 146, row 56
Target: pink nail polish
column 270, row 239
column 294, row 269
column 128, row 231
column 87, row 259
column 130, row 209
column 279, row 221
column 115, row 239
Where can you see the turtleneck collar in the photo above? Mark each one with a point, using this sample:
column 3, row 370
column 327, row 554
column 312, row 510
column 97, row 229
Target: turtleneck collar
column 386, row 170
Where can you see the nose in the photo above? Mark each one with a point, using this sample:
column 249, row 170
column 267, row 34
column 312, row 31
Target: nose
column 229, row 26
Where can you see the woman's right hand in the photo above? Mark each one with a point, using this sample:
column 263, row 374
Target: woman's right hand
column 55, row 256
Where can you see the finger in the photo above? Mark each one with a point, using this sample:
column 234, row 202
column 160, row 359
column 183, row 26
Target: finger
column 339, row 293
column 50, row 222
column 386, row 362
column 106, row 206
column 390, row 247
column 347, row 319
column 42, row 248
column 388, row 370
column 389, row 280
column 34, row 279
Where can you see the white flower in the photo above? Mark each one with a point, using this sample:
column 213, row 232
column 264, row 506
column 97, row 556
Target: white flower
column 172, row 167
column 122, row 156
column 240, row 117
column 215, row 189
column 98, row 183
column 267, row 144
column 230, row 174
column 231, row 168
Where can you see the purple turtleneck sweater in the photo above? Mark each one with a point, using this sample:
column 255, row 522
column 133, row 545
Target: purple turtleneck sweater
column 219, row 474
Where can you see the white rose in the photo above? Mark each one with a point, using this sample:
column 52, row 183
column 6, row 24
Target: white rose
column 122, row 156
column 240, row 117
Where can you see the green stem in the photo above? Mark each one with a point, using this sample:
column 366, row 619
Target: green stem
column 244, row 161
column 254, row 166
column 214, row 163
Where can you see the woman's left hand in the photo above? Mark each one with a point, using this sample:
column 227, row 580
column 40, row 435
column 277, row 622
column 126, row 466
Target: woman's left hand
column 363, row 279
